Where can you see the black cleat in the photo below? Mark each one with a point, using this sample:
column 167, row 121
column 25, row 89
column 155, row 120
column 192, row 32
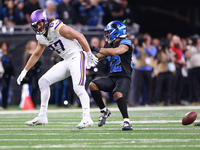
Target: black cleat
column 102, row 117
column 127, row 126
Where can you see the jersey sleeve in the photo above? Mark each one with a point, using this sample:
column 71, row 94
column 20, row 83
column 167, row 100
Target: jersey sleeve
column 126, row 42
column 56, row 25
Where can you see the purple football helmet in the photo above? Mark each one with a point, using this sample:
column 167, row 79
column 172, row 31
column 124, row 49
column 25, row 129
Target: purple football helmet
column 36, row 17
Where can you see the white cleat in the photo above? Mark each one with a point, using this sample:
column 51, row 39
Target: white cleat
column 85, row 122
column 39, row 120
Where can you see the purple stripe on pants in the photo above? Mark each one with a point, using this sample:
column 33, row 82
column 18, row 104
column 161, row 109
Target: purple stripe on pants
column 82, row 68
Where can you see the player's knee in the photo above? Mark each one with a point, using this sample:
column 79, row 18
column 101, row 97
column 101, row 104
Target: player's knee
column 78, row 89
column 93, row 86
column 43, row 83
column 117, row 95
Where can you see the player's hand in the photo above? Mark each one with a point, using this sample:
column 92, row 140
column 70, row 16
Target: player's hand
column 21, row 76
column 92, row 60
column 88, row 65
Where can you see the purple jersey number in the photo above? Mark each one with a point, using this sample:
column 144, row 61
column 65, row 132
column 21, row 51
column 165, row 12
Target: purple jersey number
column 57, row 46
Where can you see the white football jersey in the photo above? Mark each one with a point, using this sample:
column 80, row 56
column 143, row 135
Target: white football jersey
column 63, row 46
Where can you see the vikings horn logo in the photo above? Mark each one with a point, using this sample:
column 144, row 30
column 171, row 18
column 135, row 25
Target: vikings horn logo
column 44, row 14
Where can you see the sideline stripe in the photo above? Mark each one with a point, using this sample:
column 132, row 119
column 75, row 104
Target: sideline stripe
column 97, row 110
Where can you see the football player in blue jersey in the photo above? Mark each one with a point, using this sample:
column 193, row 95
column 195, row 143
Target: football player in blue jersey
column 69, row 44
column 118, row 50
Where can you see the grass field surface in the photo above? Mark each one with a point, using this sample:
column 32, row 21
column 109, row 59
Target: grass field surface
column 154, row 128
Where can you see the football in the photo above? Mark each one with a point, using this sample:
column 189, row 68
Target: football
column 189, row 118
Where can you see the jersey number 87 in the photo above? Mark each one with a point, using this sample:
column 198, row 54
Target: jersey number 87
column 57, row 46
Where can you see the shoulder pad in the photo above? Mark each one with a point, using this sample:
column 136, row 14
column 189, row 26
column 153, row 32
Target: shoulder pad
column 56, row 24
column 126, row 42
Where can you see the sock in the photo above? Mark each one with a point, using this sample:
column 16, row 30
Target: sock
column 45, row 95
column 122, row 107
column 98, row 98
column 126, row 119
column 84, row 98
column 104, row 109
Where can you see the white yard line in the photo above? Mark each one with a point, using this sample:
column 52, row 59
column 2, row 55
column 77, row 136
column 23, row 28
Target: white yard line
column 97, row 146
column 190, row 108
column 131, row 140
column 107, row 122
column 95, row 133
column 91, row 129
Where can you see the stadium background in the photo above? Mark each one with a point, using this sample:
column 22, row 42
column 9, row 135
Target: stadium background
column 157, row 17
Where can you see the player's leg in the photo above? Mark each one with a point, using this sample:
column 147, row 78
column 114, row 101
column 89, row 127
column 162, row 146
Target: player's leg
column 120, row 91
column 57, row 73
column 103, row 84
column 78, row 74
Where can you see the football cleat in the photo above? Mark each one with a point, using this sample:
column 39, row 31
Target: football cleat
column 39, row 120
column 85, row 122
column 103, row 116
column 127, row 126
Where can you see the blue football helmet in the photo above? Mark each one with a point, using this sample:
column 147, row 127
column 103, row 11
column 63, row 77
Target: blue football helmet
column 114, row 30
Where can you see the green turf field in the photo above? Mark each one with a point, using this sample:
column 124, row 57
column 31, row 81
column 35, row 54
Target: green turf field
column 154, row 128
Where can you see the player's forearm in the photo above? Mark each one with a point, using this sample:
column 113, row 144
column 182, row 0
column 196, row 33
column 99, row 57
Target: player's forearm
column 100, row 56
column 114, row 51
column 107, row 51
column 82, row 40
column 31, row 62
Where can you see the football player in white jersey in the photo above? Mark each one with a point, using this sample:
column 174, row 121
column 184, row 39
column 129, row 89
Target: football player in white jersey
column 65, row 41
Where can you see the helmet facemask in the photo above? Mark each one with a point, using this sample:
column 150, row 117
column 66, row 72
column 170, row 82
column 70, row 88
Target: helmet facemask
column 35, row 24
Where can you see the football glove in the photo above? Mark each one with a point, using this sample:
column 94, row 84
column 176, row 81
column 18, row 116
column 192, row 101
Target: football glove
column 21, row 76
column 88, row 66
column 92, row 60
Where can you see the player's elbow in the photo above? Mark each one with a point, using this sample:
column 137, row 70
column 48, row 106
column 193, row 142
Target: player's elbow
column 113, row 53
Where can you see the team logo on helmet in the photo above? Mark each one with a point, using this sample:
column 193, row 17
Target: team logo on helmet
column 124, row 31
column 44, row 14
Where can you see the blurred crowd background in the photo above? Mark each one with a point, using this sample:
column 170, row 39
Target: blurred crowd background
column 166, row 43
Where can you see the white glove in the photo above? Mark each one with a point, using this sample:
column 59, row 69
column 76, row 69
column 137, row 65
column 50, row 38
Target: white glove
column 88, row 65
column 92, row 60
column 21, row 76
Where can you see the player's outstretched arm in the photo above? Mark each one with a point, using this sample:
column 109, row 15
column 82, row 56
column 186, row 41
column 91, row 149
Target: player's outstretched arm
column 121, row 49
column 35, row 56
column 31, row 62
column 100, row 56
